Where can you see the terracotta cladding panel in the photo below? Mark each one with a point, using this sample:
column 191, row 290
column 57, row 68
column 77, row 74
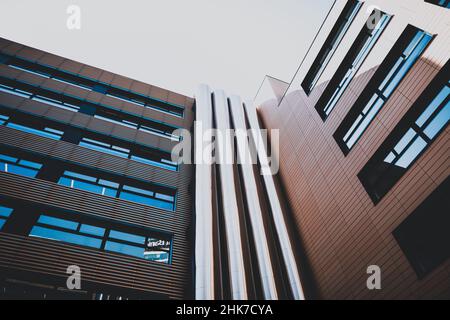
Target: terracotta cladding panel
column 342, row 231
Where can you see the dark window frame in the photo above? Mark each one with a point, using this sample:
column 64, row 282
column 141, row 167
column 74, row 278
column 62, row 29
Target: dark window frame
column 366, row 35
column 445, row 4
column 331, row 44
column 91, row 84
column 423, row 236
column 370, row 174
column 372, row 88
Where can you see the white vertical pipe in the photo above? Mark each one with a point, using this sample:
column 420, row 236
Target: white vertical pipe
column 204, row 251
column 253, row 204
column 224, row 155
column 277, row 213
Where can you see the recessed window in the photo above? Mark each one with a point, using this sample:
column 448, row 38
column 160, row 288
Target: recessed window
column 328, row 49
column 424, row 235
column 97, row 234
column 5, row 212
column 19, row 166
column 152, row 197
column 104, row 147
column 31, row 126
column 441, row 3
column 422, row 124
column 100, row 111
column 352, row 62
column 85, row 83
column 390, row 73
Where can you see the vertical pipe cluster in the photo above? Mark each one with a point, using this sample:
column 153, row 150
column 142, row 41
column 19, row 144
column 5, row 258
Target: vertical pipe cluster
column 216, row 109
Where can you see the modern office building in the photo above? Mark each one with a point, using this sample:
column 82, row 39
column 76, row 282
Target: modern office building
column 364, row 150
column 87, row 178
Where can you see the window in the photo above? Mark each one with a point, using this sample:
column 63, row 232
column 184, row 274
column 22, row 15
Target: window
column 104, row 147
column 99, row 111
column 160, row 198
column 31, row 126
column 98, row 234
column 421, row 125
column 424, row 235
column 90, row 84
column 331, row 43
column 154, row 199
column 84, row 182
column 390, row 73
column 352, row 62
column 19, row 166
column 155, row 157
column 5, row 212
column 442, row 3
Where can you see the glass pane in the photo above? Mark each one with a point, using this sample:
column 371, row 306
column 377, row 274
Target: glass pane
column 62, row 223
column 411, row 154
column 65, row 237
column 438, row 122
column 96, row 231
column 404, row 141
column 5, row 211
column 125, row 249
column 147, row 201
column 41, row 133
column 22, row 171
column 138, row 190
column 433, row 106
column 390, row 157
column 79, row 176
column 30, row 164
column 126, row 236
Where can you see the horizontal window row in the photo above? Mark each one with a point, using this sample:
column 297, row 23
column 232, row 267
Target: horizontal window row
column 86, row 231
column 333, row 40
column 94, row 141
column 90, row 84
column 89, row 180
column 97, row 110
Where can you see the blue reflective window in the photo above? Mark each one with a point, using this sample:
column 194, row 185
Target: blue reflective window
column 104, row 147
column 19, row 166
column 432, row 120
column 146, row 197
column 126, row 236
column 53, row 234
column 441, row 3
column 98, row 234
column 5, row 212
column 352, row 62
column 84, row 182
column 403, row 64
column 57, row 222
column 338, row 32
column 109, row 188
column 125, row 249
column 46, row 132
column 417, row 130
column 96, row 231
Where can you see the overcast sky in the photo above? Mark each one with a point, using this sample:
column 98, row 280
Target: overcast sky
column 174, row 44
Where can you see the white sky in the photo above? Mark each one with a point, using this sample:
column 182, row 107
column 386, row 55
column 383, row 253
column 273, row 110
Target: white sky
column 174, row 44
